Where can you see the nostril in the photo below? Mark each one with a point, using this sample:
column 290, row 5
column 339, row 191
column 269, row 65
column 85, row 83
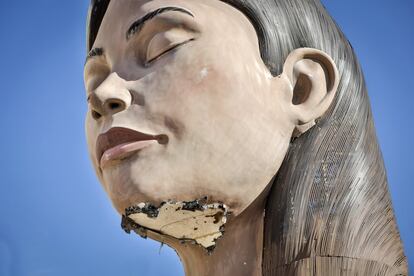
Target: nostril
column 113, row 106
column 96, row 115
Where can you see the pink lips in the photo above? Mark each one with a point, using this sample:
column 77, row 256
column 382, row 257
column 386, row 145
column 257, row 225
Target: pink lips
column 119, row 143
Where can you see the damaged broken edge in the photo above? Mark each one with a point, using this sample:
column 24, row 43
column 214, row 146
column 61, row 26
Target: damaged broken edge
column 129, row 225
column 152, row 211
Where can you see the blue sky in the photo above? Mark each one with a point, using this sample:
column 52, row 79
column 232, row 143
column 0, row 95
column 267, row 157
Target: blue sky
column 56, row 219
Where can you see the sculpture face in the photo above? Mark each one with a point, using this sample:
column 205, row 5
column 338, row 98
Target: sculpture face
column 191, row 81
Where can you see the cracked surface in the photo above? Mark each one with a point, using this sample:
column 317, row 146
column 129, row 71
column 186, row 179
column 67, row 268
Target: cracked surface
column 187, row 221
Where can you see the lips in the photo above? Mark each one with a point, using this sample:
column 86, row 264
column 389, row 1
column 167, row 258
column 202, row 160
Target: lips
column 119, row 143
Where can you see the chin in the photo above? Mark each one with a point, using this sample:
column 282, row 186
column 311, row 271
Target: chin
column 122, row 191
column 126, row 190
column 154, row 180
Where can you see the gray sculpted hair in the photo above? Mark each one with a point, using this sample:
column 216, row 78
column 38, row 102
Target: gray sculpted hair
column 329, row 211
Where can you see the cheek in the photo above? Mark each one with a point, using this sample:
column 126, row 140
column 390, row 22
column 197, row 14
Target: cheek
column 180, row 94
column 192, row 71
column 193, row 95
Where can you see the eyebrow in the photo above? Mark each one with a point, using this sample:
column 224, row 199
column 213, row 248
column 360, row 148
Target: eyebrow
column 95, row 52
column 138, row 24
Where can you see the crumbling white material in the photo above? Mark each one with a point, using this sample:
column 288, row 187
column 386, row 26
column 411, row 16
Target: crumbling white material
column 202, row 224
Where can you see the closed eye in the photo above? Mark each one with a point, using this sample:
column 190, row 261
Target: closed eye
column 165, row 42
column 151, row 60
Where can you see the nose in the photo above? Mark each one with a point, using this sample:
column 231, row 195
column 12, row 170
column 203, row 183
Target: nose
column 110, row 97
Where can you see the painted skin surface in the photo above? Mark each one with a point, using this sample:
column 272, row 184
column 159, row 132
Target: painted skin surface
column 211, row 95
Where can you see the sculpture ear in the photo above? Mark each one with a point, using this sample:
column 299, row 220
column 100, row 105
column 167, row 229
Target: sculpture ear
column 314, row 79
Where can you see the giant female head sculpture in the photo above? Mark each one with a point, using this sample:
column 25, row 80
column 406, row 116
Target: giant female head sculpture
column 260, row 108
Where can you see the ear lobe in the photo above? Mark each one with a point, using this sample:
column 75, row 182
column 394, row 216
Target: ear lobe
column 314, row 79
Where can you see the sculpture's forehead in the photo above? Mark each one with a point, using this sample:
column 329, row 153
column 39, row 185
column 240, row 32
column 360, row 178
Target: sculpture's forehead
column 199, row 7
column 212, row 14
